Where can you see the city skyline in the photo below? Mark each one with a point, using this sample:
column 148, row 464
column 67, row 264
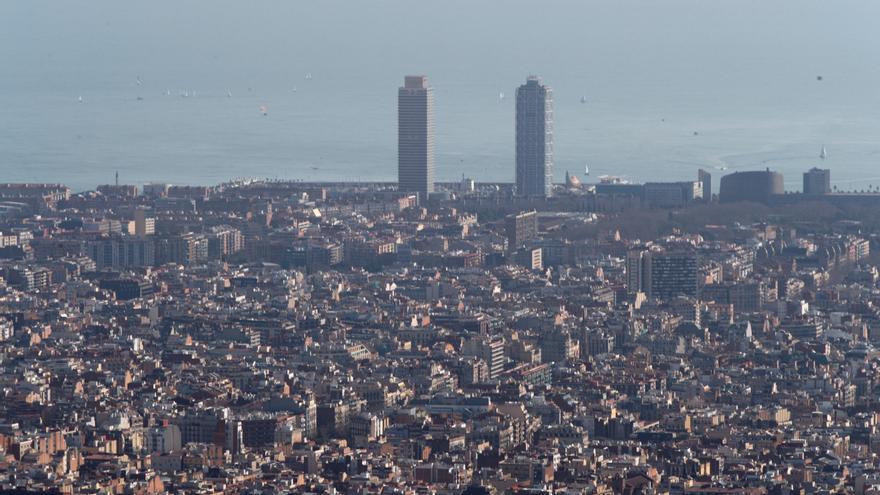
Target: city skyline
column 213, row 279
column 753, row 99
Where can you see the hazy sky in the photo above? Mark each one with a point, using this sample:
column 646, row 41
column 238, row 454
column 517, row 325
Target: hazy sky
column 54, row 41
column 725, row 65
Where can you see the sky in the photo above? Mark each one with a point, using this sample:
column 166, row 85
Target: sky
column 743, row 73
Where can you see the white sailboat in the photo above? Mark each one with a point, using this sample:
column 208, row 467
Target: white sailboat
column 587, row 169
column 583, row 99
column 500, row 96
column 823, row 154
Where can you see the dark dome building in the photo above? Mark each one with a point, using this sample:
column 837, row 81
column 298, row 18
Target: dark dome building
column 756, row 186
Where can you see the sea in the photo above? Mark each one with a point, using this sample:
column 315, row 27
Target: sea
column 204, row 91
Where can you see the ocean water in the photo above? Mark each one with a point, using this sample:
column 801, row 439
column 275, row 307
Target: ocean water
column 741, row 74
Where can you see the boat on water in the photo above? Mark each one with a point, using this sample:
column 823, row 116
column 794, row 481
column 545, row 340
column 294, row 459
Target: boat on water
column 587, row 169
column 583, row 99
column 824, row 153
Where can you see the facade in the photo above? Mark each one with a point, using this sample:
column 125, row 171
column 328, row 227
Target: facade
column 156, row 190
column 224, row 241
column 706, row 179
column 118, row 190
column 258, row 432
column 163, row 439
column 126, row 288
column 745, row 297
column 673, row 274
column 637, row 275
column 754, row 186
column 40, row 197
column 521, row 228
column 186, row 249
column 143, row 225
column 817, row 181
column 529, row 257
column 490, row 350
column 556, row 347
column 203, row 427
column 120, row 252
column 102, row 226
column 534, row 139
column 27, row 278
column 415, row 136
column 672, row 194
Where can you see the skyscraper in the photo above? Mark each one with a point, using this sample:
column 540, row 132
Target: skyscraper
column 534, row 139
column 415, row 136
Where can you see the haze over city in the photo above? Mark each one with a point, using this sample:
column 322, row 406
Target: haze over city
column 420, row 247
column 743, row 74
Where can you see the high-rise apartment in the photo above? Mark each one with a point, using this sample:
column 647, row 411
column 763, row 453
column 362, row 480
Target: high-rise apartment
column 534, row 139
column 415, row 136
